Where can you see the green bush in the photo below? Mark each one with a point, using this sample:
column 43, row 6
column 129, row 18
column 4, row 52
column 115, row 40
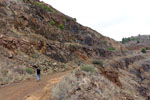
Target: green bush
column 29, row 70
column 61, row 26
column 87, row 68
column 112, row 49
column 98, row 62
column 143, row 50
column 52, row 22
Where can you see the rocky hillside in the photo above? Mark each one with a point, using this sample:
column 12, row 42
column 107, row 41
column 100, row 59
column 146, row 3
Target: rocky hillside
column 34, row 33
column 123, row 78
column 137, row 42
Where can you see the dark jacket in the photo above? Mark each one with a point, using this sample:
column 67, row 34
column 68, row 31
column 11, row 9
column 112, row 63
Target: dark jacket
column 38, row 71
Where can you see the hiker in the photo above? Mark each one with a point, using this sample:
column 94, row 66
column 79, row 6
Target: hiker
column 38, row 74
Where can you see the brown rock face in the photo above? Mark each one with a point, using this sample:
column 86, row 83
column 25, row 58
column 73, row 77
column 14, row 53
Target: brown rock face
column 14, row 44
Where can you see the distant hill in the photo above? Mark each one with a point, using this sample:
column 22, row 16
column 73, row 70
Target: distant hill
column 137, row 42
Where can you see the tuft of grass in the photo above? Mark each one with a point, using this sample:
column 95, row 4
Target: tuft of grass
column 52, row 22
column 98, row 62
column 61, row 26
column 87, row 68
column 143, row 50
column 112, row 49
column 29, row 70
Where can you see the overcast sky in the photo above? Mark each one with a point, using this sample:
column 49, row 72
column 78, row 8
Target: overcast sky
column 112, row 18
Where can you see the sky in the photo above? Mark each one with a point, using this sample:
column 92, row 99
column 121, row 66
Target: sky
column 112, row 18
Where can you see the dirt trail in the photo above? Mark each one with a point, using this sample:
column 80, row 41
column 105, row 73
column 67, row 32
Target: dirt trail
column 31, row 89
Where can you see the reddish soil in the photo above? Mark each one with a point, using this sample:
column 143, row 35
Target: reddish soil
column 31, row 89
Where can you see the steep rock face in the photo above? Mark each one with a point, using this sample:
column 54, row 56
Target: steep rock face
column 32, row 32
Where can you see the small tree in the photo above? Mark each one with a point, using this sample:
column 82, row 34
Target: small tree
column 74, row 19
column 143, row 50
column 137, row 41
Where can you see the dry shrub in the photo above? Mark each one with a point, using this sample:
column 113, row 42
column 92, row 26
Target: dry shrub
column 81, row 85
column 14, row 74
column 87, row 68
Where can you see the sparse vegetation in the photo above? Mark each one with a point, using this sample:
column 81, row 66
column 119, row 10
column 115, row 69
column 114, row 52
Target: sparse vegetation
column 87, row 68
column 61, row 26
column 143, row 50
column 126, row 40
column 42, row 6
column 112, row 49
column 29, row 70
column 98, row 62
column 52, row 22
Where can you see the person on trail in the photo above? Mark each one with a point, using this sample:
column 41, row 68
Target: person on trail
column 38, row 74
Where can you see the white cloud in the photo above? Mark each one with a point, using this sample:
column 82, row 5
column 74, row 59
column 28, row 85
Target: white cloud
column 113, row 18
